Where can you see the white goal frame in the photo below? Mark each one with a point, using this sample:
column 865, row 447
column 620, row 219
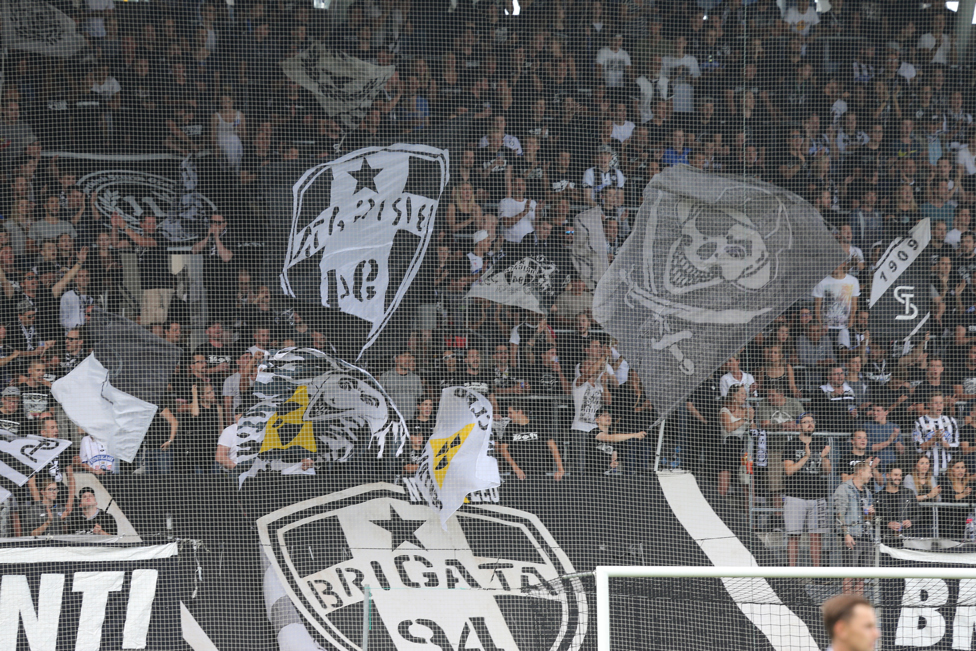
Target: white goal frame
column 602, row 575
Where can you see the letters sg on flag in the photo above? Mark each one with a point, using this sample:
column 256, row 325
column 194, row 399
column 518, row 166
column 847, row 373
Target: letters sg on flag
column 456, row 460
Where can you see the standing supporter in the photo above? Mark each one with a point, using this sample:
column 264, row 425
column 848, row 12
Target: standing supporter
column 936, row 435
column 404, row 387
column 895, row 505
column 854, row 508
column 155, row 277
column 736, row 419
column 806, row 464
column 527, row 448
column 923, row 485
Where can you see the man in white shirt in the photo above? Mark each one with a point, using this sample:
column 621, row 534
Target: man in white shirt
column 681, row 70
column 516, row 213
column 95, row 457
column 835, row 300
column 613, row 63
column 936, row 45
column 801, row 20
column 601, row 176
column 623, row 128
column 75, row 302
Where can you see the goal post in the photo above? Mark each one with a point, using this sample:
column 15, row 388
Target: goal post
column 603, row 574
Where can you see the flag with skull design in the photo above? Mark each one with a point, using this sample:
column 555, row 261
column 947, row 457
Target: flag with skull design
column 713, row 259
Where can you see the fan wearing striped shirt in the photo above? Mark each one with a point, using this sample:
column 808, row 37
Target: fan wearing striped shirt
column 936, row 435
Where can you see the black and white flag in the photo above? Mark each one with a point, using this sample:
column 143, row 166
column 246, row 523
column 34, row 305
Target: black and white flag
column 39, row 27
column 528, row 283
column 590, row 247
column 712, row 261
column 316, row 406
column 22, row 457
column 343, row 85
column 360, row 227
column 900, row 305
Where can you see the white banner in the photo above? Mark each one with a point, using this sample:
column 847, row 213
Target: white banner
column 529, row 283
column 40, row 28
column 456, row 460
column 112, row 417
column 344, row 85
column 590, row 247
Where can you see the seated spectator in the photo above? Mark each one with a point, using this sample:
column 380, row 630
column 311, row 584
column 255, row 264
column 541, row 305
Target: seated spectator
column 88, row 518
column 529, row 451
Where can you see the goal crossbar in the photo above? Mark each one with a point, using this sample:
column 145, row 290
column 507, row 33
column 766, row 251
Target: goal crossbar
column 602, row 575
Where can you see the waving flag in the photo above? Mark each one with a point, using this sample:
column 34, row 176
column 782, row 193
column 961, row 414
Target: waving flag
column 900, row 305
column 21, row 457
column 360, row 227
column 343, row 85
column 712, row 261
column 456, row 460
column 39, row 27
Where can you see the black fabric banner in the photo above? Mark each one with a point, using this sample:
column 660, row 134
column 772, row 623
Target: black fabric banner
column 900, row 303
column 73, row 597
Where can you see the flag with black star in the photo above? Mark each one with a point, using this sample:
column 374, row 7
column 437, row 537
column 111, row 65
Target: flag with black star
column 344, row 86
column 360, row 228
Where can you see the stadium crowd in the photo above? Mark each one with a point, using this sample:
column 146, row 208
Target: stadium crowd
column 863, row 109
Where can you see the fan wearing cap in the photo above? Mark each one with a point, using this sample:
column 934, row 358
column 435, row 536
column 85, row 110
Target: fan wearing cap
column 481, row 256
column 88, row 518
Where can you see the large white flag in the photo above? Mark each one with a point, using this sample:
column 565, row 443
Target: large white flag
column 39, row 27
column 112, row 417
column 456, row 460
column 22, row 457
